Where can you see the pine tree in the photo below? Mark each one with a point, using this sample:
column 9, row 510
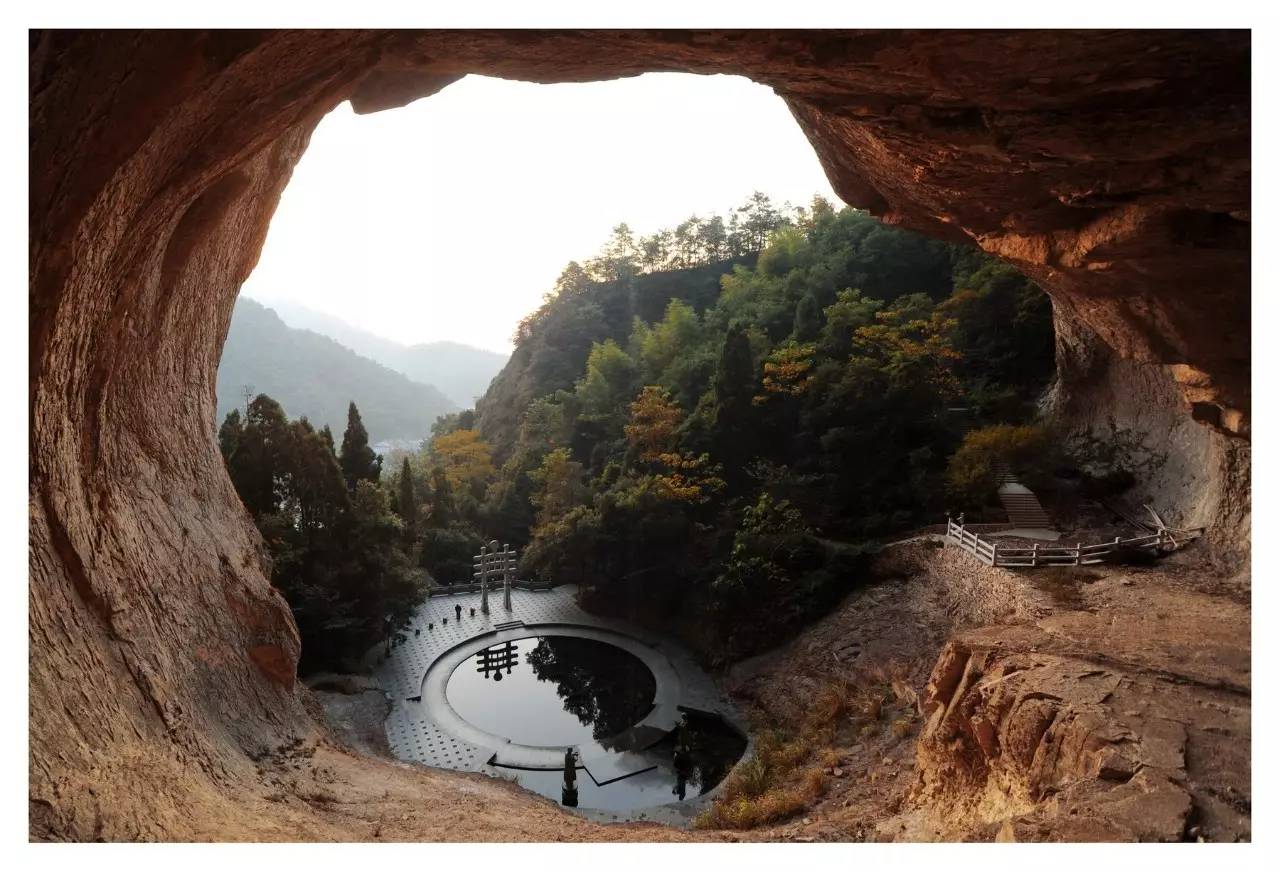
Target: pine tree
column 358, row 461
column 408, row 502
column 229, row 434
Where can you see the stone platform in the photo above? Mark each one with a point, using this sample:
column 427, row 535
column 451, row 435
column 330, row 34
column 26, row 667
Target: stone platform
column 424, row 728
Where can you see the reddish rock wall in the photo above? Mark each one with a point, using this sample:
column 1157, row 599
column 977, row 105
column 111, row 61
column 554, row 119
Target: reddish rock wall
column 1111, row 166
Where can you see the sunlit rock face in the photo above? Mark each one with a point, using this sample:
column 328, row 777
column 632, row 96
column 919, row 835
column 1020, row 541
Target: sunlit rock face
column 1113, row 167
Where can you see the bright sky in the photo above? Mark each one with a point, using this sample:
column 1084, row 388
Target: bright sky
column 448, row 219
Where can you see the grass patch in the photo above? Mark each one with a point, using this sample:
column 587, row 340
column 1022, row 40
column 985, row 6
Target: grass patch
column 788, row 771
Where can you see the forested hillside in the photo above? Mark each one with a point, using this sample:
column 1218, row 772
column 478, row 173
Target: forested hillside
column 313, row 376
column 713, row 421
column 461, row 372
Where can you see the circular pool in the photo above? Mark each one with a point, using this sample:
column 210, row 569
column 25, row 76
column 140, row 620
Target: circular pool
column 520, row 696
column 553, row 690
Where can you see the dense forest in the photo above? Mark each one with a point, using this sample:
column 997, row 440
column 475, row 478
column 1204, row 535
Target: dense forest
column 704, row 428
column 721, row 435
column 339, row 553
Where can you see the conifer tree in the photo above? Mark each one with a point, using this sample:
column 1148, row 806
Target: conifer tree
column 408, row 501
column 441, row 499
column 358, row 461
column 229, row 434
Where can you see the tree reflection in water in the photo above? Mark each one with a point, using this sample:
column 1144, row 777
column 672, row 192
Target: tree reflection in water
column 712, row 748
column 607, row 688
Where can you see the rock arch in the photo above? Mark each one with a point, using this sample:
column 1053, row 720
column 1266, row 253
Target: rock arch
column 1113, row 167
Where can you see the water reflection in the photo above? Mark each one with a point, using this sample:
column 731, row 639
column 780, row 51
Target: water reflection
column 712, row 749
column 565, row 691
column 495, row 658
column 585, row 696
column 604, row 686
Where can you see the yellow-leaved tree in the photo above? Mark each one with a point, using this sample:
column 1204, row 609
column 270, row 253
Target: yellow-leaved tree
column 466, row 459
column 651, row 431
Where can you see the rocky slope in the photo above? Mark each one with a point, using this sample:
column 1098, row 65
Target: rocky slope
column 1069, row 705
column 1113, row 166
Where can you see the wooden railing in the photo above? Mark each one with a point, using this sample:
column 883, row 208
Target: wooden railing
column 997, row 555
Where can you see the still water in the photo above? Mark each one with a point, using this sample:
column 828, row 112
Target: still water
column 553, row 691
column 568, row 691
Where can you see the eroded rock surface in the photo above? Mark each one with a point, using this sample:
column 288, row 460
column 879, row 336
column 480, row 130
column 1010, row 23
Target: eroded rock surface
column 1103, row 704
column 1111, row 166
column 1127, row 720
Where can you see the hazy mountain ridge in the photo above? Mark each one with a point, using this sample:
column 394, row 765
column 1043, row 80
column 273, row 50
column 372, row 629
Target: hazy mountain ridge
column 461, row 372
column 314, row 375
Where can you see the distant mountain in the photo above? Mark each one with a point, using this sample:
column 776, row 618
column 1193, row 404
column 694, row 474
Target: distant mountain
column 315, row 376
column 462, row 372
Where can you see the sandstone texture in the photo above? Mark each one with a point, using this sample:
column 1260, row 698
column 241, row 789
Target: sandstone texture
column 1128, row 719
column 1112, row 166
column 1085, row 705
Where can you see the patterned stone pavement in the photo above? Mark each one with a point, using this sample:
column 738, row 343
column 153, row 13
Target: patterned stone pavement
column 414, row 732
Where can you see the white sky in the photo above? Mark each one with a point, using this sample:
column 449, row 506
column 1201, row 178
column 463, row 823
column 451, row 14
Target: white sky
column 448, row 219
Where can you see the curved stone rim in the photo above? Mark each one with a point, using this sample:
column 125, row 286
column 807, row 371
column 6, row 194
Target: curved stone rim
column 663, row 716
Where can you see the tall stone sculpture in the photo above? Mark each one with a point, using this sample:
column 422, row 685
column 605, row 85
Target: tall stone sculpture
column 482, row 570
column 508, row 571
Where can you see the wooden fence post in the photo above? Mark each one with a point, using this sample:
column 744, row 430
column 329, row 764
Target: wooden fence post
column 1035, row 553
column 1078, row 546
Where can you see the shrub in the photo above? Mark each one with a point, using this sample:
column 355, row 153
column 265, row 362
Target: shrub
column 447, row 553
column 973, row 471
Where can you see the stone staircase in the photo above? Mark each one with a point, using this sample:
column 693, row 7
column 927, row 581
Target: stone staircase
column 1025, row 511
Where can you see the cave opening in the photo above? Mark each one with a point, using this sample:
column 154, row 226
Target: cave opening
column 413, row 231
column 150, row 197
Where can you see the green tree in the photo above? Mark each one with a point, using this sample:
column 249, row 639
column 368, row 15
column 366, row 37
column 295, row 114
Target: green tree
column 850, row 311
column 605, row 388
column 442, row 513
column 759, row 218
column 734, row 387
column 229, row 434
column 808, row 321
column 337, row 555
column 408, row 502
column 359, row 462
column 257, row 466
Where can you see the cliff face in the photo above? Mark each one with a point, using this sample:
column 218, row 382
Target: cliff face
column 1112, row 166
